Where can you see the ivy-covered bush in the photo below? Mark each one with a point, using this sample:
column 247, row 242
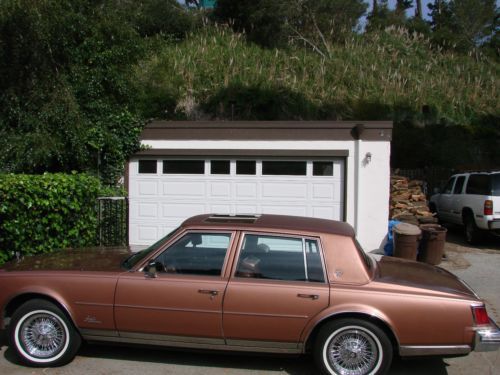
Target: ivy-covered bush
column 41, row 213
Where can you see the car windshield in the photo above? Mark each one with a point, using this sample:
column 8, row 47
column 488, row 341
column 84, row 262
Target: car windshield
column 135, row 258
column 495, row 185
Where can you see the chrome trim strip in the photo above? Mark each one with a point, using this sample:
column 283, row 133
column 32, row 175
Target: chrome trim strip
column 93, row 304
column 267, row 315
column 422, row 350
column 172, row 338
column 263, row 344
column 98, row 332
column 169, row 309
column 197, row 343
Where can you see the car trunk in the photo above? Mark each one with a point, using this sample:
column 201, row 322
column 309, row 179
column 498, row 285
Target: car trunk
column 421, row 276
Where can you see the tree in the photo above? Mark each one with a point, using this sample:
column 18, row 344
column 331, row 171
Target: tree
column 273, row 23
column 464, row 24
column 66, row 96
column 418, row 9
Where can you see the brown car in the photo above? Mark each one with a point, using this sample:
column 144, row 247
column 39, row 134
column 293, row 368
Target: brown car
column 268, row 283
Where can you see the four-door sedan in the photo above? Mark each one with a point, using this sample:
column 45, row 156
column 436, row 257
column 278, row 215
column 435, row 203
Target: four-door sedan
column 268, row 283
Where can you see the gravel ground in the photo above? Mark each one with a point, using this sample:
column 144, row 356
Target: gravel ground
column 479, row 267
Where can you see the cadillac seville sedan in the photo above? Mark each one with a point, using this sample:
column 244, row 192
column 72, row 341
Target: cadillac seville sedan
column 263, row 283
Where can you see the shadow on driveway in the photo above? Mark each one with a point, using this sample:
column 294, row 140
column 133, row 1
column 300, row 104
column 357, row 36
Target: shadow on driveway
column 129, row 359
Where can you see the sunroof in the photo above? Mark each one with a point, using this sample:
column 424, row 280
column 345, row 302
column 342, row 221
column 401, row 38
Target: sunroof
column 243, row 218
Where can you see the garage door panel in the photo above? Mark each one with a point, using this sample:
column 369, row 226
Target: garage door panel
column 323, row 191
column 220, row 190
column 182, row 209
column 147, row 233
column 246, row 209
column 286, row 190
column 246, row 190
column 294, row 210
column 147, row 188
column 184, row 188
column 220, row 208
column 325, row 212
column 148, row 210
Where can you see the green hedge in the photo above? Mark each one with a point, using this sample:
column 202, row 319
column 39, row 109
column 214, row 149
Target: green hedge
column 41, row 213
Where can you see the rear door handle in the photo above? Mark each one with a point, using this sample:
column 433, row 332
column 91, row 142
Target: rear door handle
column 311, row 296
column 207, row 291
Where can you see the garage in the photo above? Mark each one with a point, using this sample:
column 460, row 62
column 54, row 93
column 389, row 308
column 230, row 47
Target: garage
column 294, row 168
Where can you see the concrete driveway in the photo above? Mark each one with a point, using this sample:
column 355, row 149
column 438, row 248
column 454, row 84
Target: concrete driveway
column 480, row 267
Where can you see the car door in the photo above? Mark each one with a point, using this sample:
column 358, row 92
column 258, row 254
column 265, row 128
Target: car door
column 444, row 204
column 183, row 300
column 456, row 201
column 278, row 285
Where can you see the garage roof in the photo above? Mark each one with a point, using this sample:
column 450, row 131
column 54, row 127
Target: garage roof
column 268, row 130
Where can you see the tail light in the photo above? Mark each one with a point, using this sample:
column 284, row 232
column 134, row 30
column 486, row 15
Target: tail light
column 480, row 315
column 488, row 207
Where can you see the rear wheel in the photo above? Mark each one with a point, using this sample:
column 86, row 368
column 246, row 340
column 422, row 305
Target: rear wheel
column 42, row 336
column 352, row 347
column 473, row 234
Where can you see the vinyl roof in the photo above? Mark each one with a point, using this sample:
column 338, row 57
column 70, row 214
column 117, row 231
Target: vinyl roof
column 273, row 222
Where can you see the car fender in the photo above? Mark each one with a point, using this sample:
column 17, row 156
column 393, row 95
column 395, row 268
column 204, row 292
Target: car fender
column 40, row 292
column 343, row 310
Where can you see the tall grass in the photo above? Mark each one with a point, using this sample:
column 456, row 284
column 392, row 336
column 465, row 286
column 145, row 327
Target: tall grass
column 391, row 69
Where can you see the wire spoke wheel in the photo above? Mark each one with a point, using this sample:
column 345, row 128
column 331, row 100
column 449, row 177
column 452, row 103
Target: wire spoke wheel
column 352, row 352
column 351, row 346
column 42, row 335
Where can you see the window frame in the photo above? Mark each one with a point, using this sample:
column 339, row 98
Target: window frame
column 303, row 238
column 176, row 239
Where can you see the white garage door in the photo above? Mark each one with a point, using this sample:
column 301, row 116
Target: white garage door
column 163, row 192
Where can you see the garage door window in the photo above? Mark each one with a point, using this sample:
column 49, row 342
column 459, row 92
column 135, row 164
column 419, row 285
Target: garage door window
column 284, row 168
column 245, row 167
column 322, row 168
column 220, row 167
column 183, row 167
column 147, row 166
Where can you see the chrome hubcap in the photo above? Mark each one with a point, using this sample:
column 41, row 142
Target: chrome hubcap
column 352, row 352
column 42, row 335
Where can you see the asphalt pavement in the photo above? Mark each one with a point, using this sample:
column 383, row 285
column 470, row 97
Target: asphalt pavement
column 478, row 266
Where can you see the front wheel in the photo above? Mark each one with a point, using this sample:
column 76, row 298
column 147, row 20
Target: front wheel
column 42, row 336
column 352, row 347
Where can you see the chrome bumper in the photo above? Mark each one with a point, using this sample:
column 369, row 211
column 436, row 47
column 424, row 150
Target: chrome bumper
column 488, row 338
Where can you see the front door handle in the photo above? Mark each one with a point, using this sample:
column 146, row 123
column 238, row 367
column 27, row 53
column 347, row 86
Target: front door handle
column 311, row 296
column 206, row 291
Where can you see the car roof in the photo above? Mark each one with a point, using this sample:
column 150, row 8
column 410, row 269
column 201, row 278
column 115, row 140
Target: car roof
column 273, row 222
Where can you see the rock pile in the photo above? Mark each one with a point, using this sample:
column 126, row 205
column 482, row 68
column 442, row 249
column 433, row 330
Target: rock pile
column 408, row 201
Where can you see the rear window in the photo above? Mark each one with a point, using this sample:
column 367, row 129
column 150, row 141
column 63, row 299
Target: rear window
column 495, row 185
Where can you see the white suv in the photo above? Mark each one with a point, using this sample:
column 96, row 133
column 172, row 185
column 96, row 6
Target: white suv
column 470, row 199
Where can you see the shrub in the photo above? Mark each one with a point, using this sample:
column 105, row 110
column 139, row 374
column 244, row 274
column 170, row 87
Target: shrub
column 41, row 213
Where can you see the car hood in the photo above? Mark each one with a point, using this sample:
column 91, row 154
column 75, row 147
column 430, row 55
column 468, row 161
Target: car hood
column 421, row 276
column 85, row 259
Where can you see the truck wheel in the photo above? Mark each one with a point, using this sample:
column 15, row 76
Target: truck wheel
column 473, row 234
column 42, row 335
column 352, row 347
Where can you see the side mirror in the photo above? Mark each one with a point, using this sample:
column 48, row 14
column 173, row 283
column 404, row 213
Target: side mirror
column 151, row 270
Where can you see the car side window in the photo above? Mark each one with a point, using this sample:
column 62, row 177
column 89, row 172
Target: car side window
column 196, row 254
column 280, row 258
column 459, row 185
column 449, row 186
column 479, row 184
